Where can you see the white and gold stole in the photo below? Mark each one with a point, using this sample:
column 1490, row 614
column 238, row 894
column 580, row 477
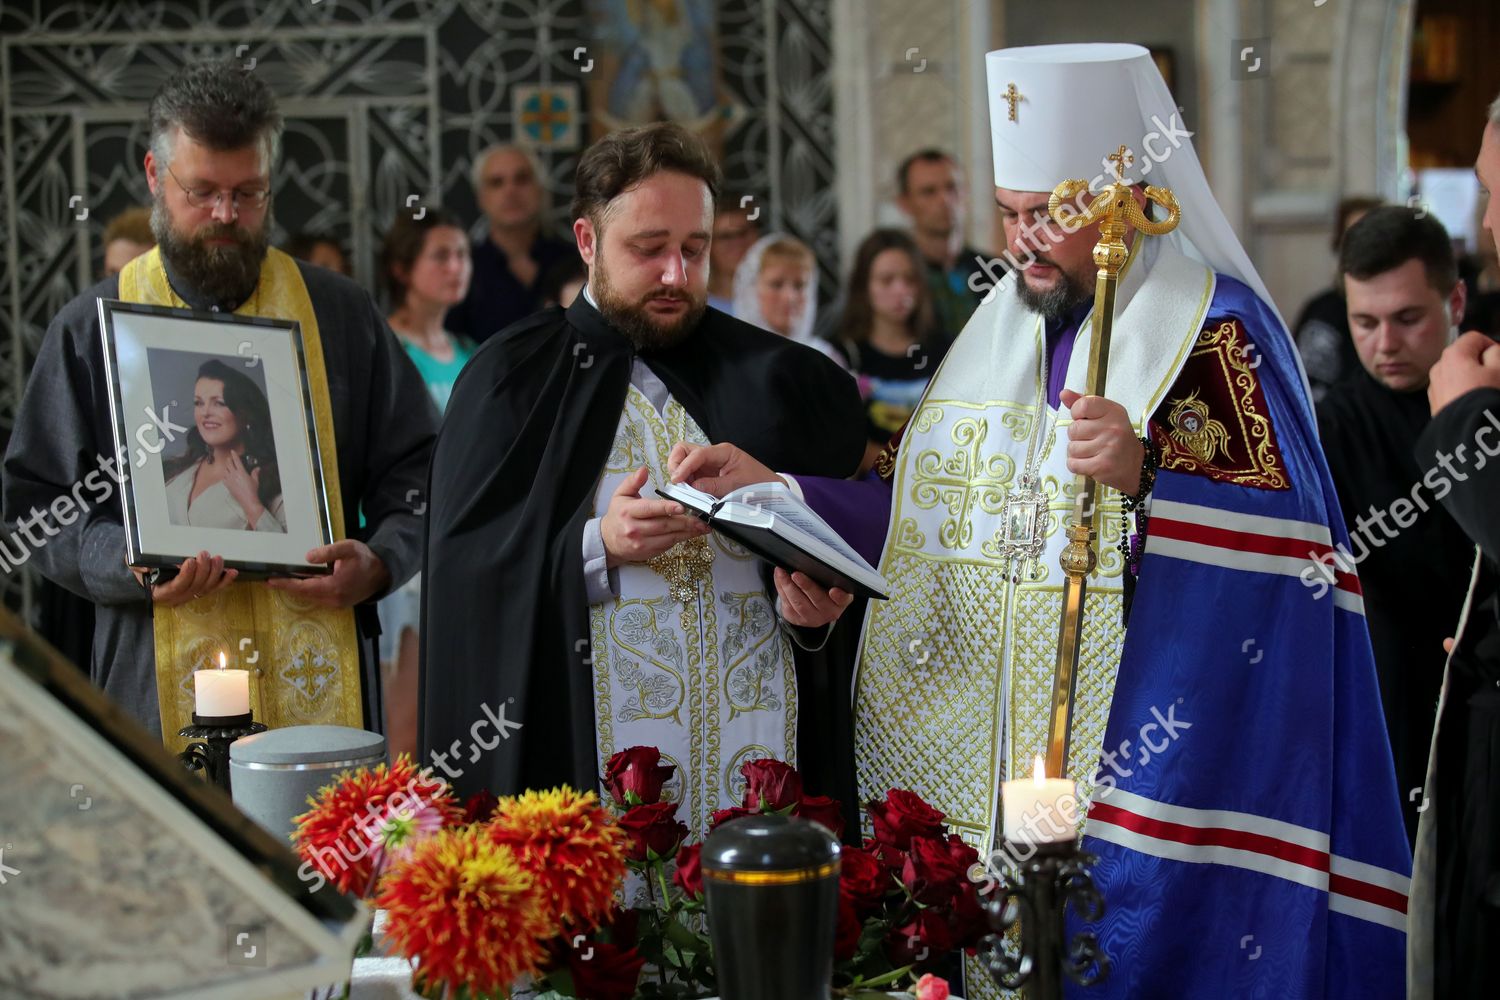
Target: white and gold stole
column 689, row 658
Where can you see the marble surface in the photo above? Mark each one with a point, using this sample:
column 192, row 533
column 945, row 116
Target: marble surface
column 109, row 889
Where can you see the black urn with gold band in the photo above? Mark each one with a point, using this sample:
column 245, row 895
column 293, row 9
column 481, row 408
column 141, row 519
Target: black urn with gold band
column 772, row 888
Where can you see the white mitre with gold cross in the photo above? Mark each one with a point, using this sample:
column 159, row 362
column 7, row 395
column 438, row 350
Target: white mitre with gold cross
column 1058, row 111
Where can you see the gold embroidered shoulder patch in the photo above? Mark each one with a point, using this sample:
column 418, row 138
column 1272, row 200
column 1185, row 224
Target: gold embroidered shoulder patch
column 1214, row 421
column 885, row 462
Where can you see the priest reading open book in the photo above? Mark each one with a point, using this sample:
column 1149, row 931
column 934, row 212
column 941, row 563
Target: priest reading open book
column 562, row 586
column 770, row 521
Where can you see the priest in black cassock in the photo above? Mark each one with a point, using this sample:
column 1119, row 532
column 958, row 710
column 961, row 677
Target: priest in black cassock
column 561, row 592
column 1405, row 299
column 1455, row 899
column 214, row 134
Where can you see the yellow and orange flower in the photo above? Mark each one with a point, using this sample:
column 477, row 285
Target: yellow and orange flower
column 363, row 815
column 468, row 911
column 568, row 841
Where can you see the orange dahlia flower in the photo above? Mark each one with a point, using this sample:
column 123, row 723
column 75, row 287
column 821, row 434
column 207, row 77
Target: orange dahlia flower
column 467, row 910
column 366, row 818
column 572, row 846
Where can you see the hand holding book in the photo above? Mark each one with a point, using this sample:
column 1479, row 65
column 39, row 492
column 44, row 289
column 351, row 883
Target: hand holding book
column 635, row 529
column 807, row 603
column 768, row 520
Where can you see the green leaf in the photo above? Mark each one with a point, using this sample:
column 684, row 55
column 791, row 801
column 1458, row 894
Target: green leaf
column 685, row 957
column 885, row 980
column 681, row 936
column 559, row 983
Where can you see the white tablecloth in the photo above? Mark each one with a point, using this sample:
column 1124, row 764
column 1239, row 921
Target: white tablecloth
column 380, row 977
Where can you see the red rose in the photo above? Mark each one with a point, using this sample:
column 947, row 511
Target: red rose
column 969, row 920
column 652, row 828
column 479, row 807
column 689, row 876
column 931, row 873
column 863, row 879
column 622, row 927
column 846, row 937
column 923, row 941
column 619, row 927
column 608, row 973
column 725, row 815
column 903, row 816
column 822, row 809
column 770, row 785
column 891, row 857
column 961, row 852
column 636, row 770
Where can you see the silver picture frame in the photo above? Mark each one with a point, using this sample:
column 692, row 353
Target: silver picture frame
column 149, row 357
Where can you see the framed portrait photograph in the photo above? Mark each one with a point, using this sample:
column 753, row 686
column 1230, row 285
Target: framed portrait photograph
column 213, row 420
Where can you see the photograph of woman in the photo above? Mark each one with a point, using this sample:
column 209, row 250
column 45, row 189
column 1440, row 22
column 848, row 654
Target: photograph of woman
column 226, row 477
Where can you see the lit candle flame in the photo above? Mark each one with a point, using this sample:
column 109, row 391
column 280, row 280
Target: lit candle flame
column 221, row 659
column 1037, row 773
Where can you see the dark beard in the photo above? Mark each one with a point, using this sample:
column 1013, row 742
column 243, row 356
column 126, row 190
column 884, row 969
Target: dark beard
column 1055, row 303
column 224, row 275
column 635, row 323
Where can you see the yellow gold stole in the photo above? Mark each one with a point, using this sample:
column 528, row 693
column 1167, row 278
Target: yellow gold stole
column 303, row 659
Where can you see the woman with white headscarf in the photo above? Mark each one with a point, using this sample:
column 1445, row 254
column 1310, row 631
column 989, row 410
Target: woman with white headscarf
column 776, row 289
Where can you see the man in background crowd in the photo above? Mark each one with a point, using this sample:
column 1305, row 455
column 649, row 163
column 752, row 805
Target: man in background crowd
column 127, row 236
column 1322, row 329
column 515, row 252
column 734, row 234
column 930, row 191
column 1405, row 299
column 320, row 249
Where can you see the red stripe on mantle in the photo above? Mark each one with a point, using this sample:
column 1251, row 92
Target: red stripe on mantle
column 1249, row 541
column 1257, row 843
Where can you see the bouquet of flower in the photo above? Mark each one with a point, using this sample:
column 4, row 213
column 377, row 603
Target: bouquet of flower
column 905, row 897
column 488, row 894
column 480, row 896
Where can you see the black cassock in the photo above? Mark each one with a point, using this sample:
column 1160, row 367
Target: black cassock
column 1414, row 584
column 1463, row 823
column 526, row 435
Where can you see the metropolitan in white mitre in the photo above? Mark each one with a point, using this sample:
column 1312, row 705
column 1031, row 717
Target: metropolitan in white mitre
column 1227, row 737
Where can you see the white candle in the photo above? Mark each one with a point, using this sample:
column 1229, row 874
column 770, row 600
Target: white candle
column 1039, row 810
column 221, row 692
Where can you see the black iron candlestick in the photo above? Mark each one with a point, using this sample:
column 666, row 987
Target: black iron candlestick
column 1035, row 894
column 213, row 734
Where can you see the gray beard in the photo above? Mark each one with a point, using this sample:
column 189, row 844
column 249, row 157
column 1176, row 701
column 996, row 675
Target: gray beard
column 1057, row 301
column 224, row 275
